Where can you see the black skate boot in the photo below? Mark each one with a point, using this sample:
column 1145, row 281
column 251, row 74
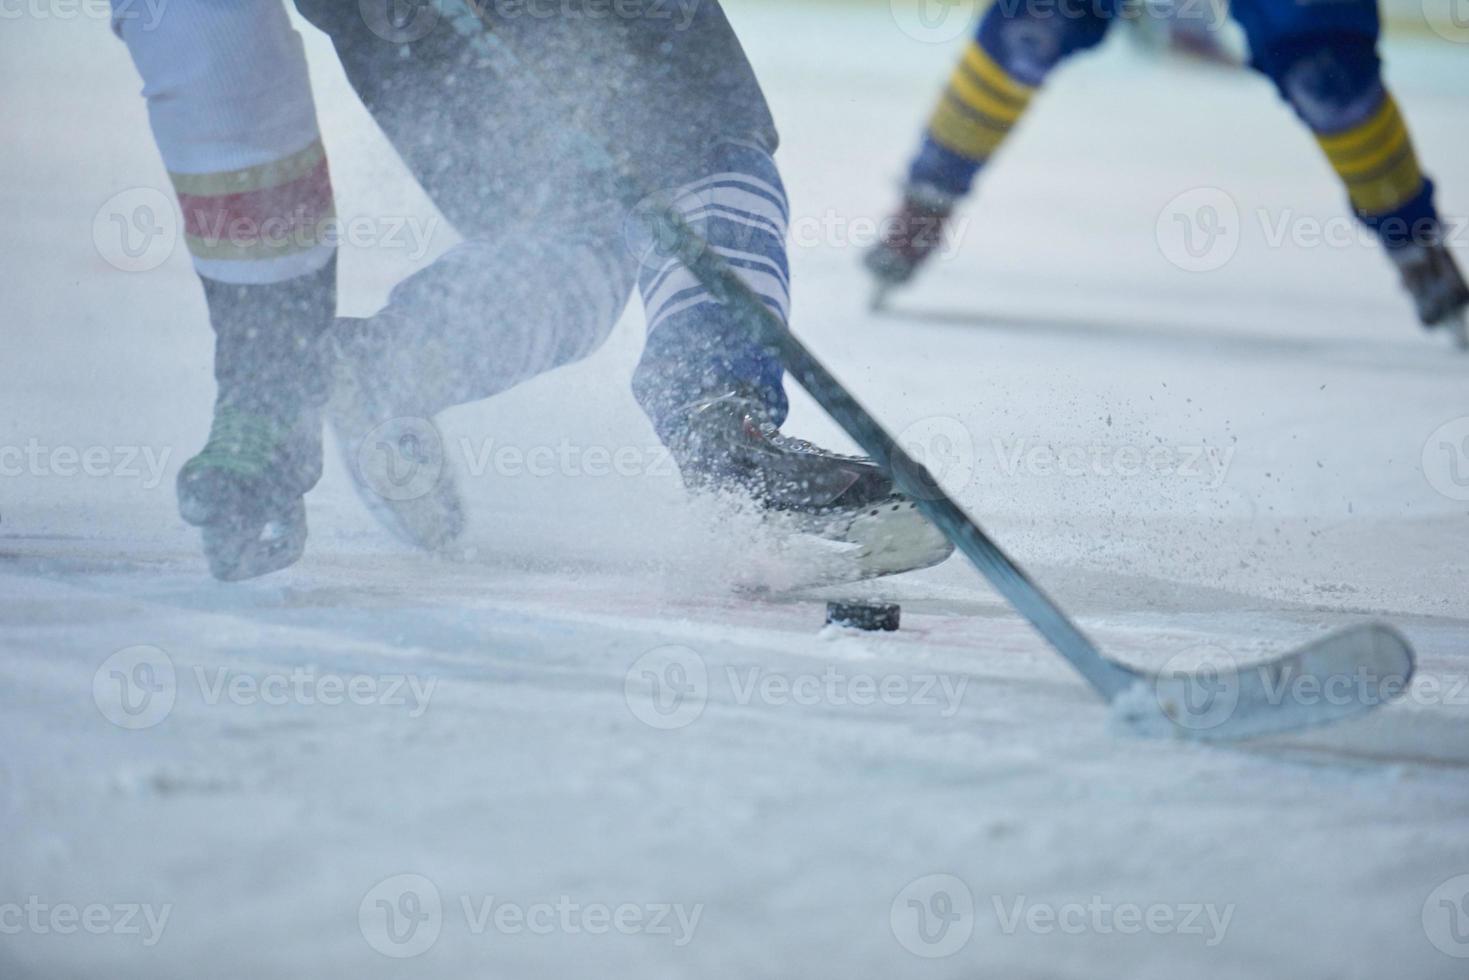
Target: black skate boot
column 390, row 445
column 909, row 238
column 1433, row 279
column 245, row 489
column 726, row 444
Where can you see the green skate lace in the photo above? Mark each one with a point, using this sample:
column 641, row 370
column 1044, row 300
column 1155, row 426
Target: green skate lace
column 239, row 441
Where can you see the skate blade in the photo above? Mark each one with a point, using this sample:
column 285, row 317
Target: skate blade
column 877, row 541
column 238, row 554
column 895, row 538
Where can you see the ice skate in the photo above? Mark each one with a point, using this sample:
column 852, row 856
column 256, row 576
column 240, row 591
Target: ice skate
column 727, row 445
column 391, row 447
column 245, row 490
column 1440, row 295
column 909, row 239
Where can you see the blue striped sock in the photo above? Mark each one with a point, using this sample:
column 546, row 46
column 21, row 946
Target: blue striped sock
column 695, row 348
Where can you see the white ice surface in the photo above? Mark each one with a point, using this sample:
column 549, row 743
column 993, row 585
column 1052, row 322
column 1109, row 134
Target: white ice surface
column 1059, row 322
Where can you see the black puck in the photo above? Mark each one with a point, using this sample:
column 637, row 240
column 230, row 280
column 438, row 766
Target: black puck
column 864, row 615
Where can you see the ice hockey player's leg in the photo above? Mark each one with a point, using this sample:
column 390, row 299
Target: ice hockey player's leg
column 1016, row 46
column 716, row 398
column 231, row 110
column 244, row 489
column 483, row 318
column 1323, row 58
column 539, row 282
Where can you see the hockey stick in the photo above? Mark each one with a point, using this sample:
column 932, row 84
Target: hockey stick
column 1361, row 666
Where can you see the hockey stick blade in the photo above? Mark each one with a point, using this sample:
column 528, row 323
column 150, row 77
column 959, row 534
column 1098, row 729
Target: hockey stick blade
column 1338, row 676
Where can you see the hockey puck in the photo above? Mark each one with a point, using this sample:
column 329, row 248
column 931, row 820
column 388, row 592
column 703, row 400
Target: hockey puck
column 864, row 615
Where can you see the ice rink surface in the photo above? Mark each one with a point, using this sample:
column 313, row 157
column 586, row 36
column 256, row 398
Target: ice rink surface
column 588, row 753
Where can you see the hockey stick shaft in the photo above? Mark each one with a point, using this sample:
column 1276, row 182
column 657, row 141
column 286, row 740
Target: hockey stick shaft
column 910, row 476
column 767, row 329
